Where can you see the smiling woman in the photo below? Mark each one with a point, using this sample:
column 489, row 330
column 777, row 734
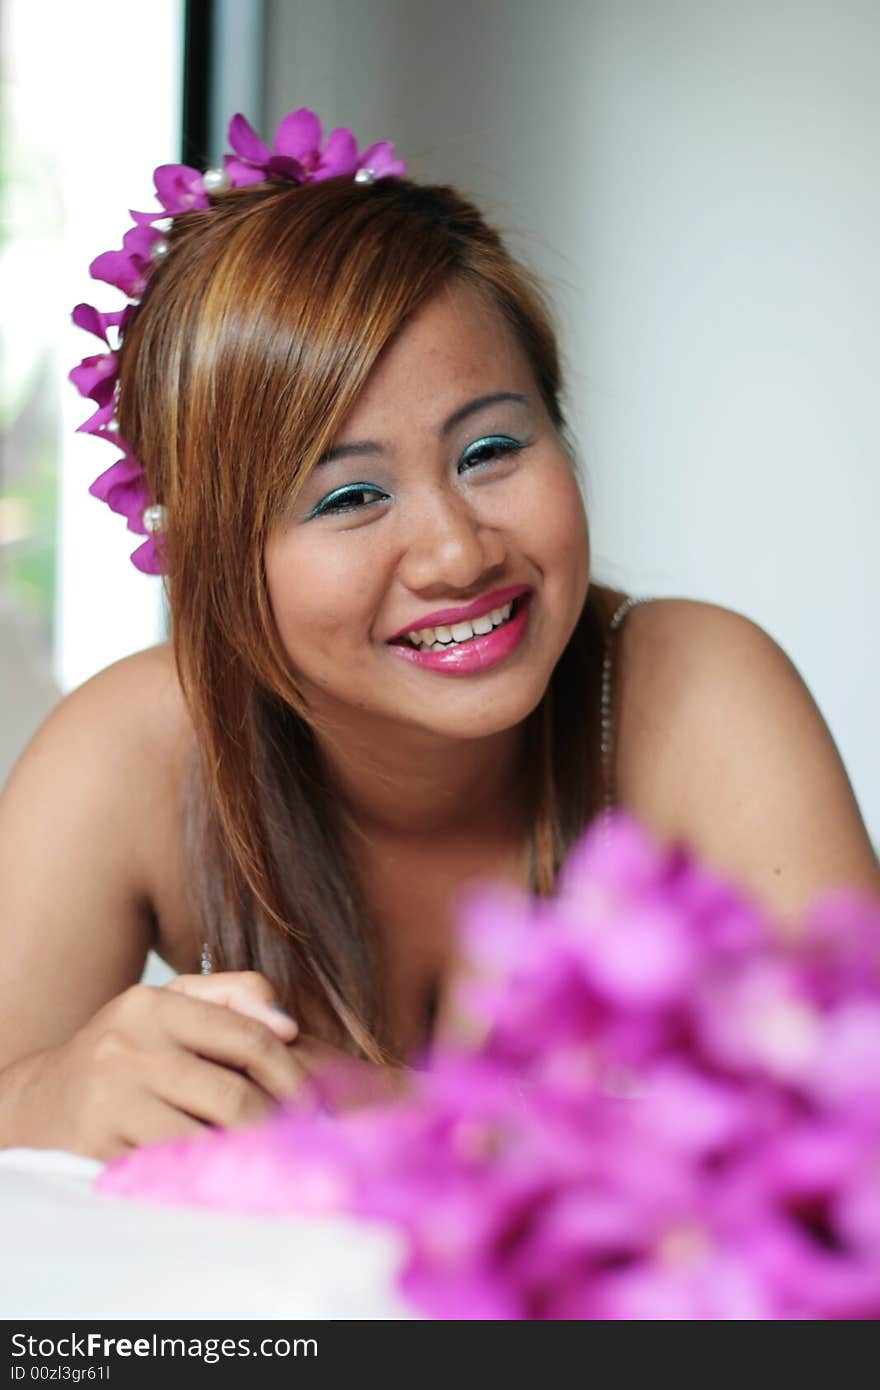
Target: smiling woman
column 396, row 398
column 389, row 667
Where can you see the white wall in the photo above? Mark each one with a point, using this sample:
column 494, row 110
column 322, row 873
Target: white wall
column 699, row 184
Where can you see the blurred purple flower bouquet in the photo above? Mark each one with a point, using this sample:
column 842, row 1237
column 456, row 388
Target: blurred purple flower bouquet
column 674, row 1111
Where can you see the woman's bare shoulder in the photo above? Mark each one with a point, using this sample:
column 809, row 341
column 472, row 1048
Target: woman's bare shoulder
column 138, row 695
column 139, row 698
column 151, row 682
column 90, row 850
column 165, row 742
column 128, row 717
column 670, row 654
column 721, row 744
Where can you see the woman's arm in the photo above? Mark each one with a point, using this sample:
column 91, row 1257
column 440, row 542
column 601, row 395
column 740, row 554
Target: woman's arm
column 721, row 744
column 74, row 903
column 89, row 1059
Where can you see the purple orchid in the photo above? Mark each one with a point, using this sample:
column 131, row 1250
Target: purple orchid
column 379, row 159
column 695, row 1135
column 128, row 269
column 147, row 558
column 180, row 188
column 297, row 152
column 93, row 321
column 95, row 377
column 102, row 423
column 124, row 488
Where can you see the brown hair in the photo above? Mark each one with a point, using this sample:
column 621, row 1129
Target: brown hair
column 249, row 348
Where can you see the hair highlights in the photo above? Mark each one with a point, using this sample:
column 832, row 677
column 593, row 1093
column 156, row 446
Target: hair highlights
column 237, row 370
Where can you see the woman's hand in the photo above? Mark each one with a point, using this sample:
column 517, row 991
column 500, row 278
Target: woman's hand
column 156, row 1064
column 347, row 1081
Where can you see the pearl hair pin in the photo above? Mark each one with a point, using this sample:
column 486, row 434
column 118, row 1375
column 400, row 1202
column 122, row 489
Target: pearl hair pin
column 215, row 180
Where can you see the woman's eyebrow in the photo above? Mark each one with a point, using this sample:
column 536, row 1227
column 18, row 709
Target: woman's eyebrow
column 369, row 446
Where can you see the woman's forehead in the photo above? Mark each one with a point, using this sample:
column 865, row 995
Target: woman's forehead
column 455, row 345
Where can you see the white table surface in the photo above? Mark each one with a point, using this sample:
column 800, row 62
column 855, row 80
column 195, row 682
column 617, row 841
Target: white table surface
column 67, row 1252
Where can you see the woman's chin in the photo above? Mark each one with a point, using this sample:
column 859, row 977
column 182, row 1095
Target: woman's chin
column 470, row 715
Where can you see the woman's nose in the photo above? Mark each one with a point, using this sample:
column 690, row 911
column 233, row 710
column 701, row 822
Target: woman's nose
column 449, row 543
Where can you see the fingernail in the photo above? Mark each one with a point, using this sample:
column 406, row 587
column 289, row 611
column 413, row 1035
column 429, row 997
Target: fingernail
column 282, row 1013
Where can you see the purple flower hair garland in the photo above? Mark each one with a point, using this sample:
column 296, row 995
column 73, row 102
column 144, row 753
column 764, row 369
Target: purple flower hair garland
column 297, row 155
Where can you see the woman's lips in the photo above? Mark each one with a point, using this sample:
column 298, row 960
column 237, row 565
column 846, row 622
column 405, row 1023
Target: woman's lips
column 447, row 617
column 477, row 653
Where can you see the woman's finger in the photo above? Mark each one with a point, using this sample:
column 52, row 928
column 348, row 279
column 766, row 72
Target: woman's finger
column 217, row 1094
column 155, row 1122
column 246, row 991
column 231, row 1037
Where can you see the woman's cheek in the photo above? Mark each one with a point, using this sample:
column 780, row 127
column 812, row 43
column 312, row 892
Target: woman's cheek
column 556, row 518
column 325, row 601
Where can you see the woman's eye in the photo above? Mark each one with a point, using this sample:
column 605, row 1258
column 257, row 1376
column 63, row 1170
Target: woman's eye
column 343, row 500
column 489, row 449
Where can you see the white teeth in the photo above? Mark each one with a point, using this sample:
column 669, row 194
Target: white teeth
column 436, row 638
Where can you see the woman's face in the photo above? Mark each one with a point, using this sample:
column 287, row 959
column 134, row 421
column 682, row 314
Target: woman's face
column 429, row 502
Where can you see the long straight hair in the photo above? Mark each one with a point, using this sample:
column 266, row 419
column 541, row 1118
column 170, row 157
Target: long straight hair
column 250, row 346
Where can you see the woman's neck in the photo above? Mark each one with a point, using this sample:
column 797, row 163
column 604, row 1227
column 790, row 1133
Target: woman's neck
column 408, row 789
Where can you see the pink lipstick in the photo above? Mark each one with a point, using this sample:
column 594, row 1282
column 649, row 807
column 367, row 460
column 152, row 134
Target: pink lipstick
column 479, row 653
column 445, row 617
